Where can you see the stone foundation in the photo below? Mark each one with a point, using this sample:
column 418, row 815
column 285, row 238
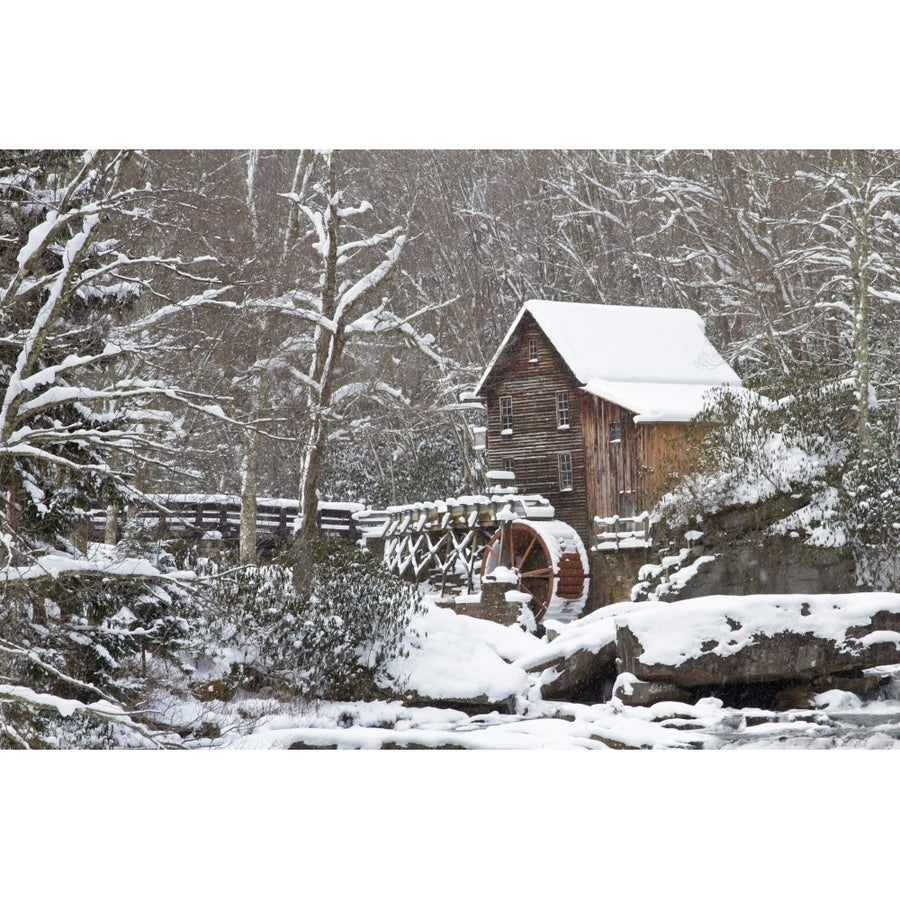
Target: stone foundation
column 493, row 604
column 614, row 573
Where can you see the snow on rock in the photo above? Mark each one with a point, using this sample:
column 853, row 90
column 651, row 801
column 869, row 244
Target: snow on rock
column 818, row 521
column 675, row 580
column 593, row 633
column 766, row 637
column 503, row 575
column 458, row 657
column 545, row 726
column 581, row 651
column 835, row 699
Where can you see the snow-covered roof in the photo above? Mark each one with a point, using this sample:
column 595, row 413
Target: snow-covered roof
column 657, row 362
column 653, row 401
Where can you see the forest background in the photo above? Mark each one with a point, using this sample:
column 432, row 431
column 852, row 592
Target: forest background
column 304, row 324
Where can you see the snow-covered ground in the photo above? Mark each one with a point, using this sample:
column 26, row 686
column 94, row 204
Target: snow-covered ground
column 842, row 722
column 459, row 661
column 527, row 824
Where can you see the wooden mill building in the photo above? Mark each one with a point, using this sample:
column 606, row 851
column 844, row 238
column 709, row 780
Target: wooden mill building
column 587, row 404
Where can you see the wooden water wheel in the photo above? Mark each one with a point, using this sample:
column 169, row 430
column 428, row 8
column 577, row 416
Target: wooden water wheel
column 551, row 563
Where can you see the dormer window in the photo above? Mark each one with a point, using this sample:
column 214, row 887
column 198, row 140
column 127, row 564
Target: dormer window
column 532, row 350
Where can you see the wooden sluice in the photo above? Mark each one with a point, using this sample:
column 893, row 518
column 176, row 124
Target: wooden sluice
column 444, row 541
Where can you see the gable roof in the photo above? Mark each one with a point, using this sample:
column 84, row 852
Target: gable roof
column 656, row 362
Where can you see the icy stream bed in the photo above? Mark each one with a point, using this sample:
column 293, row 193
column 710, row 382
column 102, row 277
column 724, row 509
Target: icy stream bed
column 705, row 725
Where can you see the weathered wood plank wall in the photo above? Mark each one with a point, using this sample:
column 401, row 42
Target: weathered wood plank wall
column 532, row 449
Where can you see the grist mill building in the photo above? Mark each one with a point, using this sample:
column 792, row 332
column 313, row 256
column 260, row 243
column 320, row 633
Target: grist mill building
column 587, row 404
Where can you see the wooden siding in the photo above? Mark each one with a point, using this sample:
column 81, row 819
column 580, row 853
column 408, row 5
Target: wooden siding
column 536, row 441
column 628, row 475
column 668, row 455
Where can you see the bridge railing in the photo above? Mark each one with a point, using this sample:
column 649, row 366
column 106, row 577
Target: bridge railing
column 194, row 516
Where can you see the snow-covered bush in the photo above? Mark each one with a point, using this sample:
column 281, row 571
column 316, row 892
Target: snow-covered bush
column 323, row 626
column 84, row 637
column 870, row 506
column 751, row 448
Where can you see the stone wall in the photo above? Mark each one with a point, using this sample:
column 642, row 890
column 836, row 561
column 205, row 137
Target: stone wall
column 772, row 565
column 614, row 573
column 493, row 604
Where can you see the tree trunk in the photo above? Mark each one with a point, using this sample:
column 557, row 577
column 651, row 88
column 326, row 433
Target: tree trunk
column 250, row 438
column 859, row 257
column 111, row 529
column 306, row 528
column 327, row 354
column 247, row 533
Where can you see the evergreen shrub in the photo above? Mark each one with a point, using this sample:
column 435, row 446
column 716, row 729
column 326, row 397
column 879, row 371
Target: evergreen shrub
column 321, row 624
column 870, row 506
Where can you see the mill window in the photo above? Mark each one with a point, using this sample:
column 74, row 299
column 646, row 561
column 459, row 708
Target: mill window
column 562, row 409
column 506, row 422
column 615, row 433
column 532, row 350
column 565, row 471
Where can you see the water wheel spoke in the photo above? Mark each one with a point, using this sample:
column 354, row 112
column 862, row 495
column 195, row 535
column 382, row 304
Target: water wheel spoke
column 534, row 573
column 528, row 550
column 511, row 547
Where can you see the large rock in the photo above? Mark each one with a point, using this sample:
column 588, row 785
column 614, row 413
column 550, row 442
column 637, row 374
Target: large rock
column 726, row 640
column 580, row 653
column 577, row 670
column 774, row 564
column 755, row 549
column 633, row 692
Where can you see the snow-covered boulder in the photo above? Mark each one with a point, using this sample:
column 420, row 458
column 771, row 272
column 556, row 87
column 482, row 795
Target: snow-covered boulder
column 581, row 652
column 631, row 691
column 463, row 661
column 727, row 640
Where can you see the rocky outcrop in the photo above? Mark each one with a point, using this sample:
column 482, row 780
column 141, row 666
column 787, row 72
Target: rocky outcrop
column 634, row 692
column 785, row 641
column 569, row 676
column 775, row 564
column 743, row 553
column 579, row 661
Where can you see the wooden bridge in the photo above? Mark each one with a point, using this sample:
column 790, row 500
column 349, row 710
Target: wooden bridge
column 451, row 544
column 218, row 517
